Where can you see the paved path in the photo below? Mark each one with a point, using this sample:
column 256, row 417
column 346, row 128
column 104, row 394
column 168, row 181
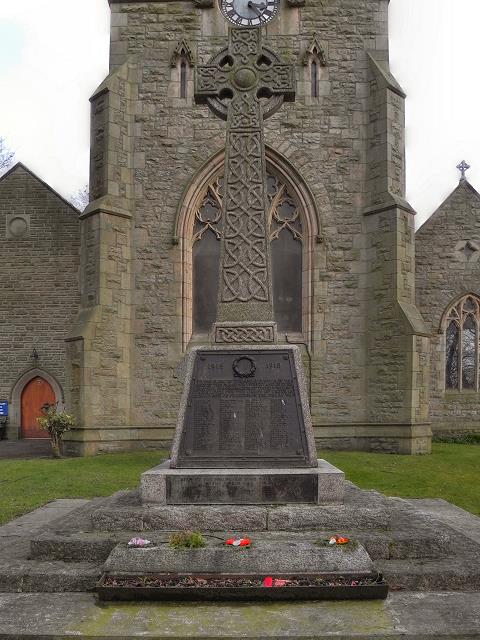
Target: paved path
column 32, row 522
column 11, row 449
column 415, row 616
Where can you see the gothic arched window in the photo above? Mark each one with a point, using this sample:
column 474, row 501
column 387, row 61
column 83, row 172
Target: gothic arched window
column 286, row 237
column 462, row 345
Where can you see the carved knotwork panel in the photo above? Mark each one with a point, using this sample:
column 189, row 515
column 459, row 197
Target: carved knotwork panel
column 245, row 260
column 255, row 333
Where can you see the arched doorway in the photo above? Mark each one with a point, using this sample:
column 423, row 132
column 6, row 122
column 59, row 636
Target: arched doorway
column 35, row 394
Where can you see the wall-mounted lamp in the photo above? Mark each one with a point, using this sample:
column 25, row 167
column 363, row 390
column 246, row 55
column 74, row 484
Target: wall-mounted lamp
column 35, row 355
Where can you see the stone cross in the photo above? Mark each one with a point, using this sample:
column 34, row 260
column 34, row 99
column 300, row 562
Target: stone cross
column 463, row 167
column 244, row 85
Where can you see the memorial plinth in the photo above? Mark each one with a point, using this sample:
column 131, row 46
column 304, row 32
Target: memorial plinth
column 244, row 434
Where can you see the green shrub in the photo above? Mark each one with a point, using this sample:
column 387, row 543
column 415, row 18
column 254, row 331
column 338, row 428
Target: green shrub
column 461, row 438
column 56, row 423
column 187, row 540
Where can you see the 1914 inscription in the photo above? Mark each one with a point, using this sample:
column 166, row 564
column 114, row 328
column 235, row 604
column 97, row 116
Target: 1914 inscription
column 243, row 410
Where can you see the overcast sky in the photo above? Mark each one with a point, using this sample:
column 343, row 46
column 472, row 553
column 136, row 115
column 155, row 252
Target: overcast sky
column 53, row 54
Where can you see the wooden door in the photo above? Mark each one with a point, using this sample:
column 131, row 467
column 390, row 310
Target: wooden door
column 35, row 394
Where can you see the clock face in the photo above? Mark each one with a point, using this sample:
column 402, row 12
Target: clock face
column 249, row 13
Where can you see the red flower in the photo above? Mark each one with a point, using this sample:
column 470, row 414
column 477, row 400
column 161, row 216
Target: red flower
column 239, row 542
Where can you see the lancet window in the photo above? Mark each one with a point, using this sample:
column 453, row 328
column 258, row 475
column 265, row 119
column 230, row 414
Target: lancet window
column 462, row 345
column 286, row 237
column 182, row 64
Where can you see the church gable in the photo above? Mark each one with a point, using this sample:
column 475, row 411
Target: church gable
column 448, row 253
column 40, row 247
column 24, row 194
column 461, row 208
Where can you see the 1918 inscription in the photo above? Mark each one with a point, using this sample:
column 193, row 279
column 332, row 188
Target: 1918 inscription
column 243, row 410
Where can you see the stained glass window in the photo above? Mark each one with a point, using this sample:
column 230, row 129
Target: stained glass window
column 286, row 237
column 462, row 346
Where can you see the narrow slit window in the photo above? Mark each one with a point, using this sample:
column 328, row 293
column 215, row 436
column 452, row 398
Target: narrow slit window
column 314, row 78
column 183, row 79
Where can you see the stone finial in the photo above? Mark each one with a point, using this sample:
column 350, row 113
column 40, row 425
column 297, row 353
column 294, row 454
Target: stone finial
column 183, row 50
column 463, row 167
column 314, row 50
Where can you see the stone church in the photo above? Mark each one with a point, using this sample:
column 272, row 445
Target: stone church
column 100, row 308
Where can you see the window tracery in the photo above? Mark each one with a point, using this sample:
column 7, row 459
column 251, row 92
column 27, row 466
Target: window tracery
column 286, row 237
column 462, row 345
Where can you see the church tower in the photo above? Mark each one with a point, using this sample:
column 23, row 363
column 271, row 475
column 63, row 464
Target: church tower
column 341, row 233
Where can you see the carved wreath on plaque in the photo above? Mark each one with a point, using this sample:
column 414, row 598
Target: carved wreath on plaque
column 244, row 367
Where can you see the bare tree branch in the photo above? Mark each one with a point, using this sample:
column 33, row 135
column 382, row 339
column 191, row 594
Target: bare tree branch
column 6, row 156
column 80, row 198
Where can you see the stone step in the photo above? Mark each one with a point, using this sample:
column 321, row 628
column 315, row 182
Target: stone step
column 30, row 576
column 431, row 575
column 265, row 557
column 235, row 518
column 95, row 546
column 399, row 545
column 80, row 547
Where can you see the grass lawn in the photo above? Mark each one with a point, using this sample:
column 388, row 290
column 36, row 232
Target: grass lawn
column 452, row 472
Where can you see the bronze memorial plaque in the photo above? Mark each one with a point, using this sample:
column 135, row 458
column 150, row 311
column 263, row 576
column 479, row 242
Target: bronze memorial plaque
column 243, row 410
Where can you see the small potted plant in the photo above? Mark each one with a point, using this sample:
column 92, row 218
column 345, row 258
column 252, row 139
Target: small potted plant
column 56, row 423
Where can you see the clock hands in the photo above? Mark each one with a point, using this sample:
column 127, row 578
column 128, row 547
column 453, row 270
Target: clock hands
column 258, row 8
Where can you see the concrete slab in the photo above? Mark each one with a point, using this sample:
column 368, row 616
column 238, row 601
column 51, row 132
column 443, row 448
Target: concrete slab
column 462, row 521
column 427, row 616
column 287, row 556
column 35, row 520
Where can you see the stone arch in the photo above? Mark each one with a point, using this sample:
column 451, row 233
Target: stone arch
column 18, row 387
column 313, row 245
column 453, row 303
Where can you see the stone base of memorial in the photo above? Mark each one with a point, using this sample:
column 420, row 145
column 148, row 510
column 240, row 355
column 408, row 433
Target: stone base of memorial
column 323, row 484
column 244, row 434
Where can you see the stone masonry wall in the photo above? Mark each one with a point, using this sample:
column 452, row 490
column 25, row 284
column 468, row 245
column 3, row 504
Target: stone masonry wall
column 322, row 139
column 326, row 140
column 445, row 273
column 39, row 291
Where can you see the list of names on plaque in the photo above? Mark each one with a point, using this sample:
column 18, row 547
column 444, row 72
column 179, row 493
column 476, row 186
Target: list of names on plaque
column 243, row 410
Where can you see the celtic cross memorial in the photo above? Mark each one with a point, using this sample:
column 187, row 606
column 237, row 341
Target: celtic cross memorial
column 245, row 404
column 244, row 85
